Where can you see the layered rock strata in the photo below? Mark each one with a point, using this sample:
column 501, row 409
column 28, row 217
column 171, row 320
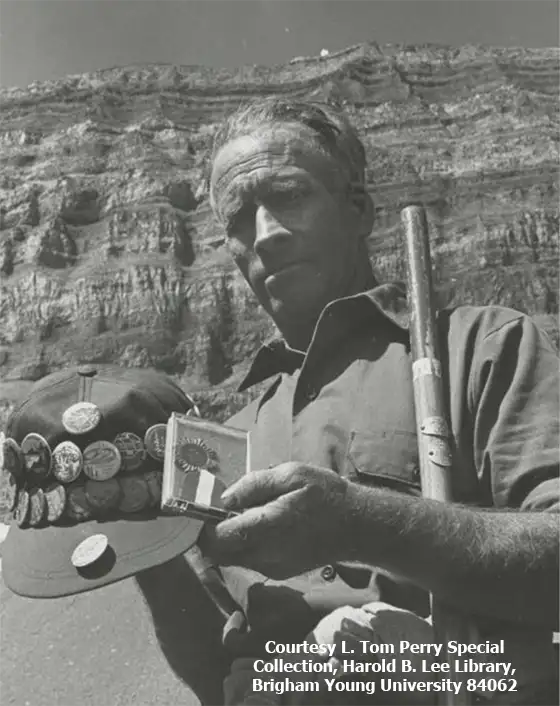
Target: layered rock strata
column 108, row 253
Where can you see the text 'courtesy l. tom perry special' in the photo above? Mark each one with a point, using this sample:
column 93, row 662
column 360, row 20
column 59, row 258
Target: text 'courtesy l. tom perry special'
column 201, row 460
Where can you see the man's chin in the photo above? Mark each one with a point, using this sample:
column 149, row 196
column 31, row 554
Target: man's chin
column 292, row 311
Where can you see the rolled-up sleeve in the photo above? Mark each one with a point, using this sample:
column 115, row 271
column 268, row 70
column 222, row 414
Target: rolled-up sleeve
column 514, row 404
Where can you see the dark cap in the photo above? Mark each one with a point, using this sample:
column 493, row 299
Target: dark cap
column 97, row 416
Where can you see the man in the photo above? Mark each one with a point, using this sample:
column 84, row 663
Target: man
column 333, row 436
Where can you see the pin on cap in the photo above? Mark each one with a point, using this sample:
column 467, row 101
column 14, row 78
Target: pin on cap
column 21, row 512
column 13, row 458
column 81, row 418
column 77, row 506
column 103, row 495
column 89, row 551
column 37, row 456
column 55, row 495
column 154, row 481
column 135, row 494
column 67, row 461
column 11, row 492
column 102, row 460
column 131, row 448
column 37, row 507
column 154, row 441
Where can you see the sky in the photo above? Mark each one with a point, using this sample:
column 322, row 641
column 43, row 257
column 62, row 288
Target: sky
column 45, row 39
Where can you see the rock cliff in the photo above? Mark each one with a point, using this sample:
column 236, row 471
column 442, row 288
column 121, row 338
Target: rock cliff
column 108, row 253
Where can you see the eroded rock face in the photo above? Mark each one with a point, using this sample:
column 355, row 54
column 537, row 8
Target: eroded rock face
column 108, row 253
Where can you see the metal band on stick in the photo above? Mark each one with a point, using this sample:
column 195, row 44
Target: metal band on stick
column 434, row 445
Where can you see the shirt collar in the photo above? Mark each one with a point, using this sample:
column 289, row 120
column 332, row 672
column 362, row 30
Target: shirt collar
column 386, row 300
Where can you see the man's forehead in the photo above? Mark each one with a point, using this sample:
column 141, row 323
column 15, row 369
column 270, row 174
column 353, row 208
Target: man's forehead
column 272, row 152
column 280, row 138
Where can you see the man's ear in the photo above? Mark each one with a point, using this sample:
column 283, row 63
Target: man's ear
column 362, row 206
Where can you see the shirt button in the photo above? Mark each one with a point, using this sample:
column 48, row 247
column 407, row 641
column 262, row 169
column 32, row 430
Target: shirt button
column 328, row 573
column 311, row 394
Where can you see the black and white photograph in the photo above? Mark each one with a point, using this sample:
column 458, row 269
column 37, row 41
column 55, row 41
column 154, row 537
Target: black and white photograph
column 279, row 352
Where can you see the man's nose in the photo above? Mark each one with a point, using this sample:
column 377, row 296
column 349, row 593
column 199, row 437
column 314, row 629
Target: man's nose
column 270, row 234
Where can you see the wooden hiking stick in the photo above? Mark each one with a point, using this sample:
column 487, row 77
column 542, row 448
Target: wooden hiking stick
column 432, row 427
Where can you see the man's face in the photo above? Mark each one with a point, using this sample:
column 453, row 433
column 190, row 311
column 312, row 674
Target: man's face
column 290, row 222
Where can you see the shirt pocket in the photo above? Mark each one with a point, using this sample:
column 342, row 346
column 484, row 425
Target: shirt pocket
column 386, row 457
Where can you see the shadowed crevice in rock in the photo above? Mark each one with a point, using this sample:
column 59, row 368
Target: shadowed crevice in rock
column 180, row 195
column 52, row 245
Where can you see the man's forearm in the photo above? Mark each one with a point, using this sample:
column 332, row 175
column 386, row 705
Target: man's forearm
column 494, row 563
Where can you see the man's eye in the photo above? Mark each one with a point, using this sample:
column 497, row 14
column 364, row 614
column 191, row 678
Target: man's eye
column 240, row 219
column 286, row 198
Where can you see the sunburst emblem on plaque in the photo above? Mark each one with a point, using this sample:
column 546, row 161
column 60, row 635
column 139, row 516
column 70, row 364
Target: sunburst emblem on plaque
column 194, row 454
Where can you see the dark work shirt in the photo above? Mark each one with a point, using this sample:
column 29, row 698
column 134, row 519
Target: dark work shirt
column 347, row 405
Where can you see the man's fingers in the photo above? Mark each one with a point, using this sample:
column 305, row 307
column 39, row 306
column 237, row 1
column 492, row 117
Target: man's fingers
column 260, row 487
column 245, row 540
column 230, row 540
column 278, row 510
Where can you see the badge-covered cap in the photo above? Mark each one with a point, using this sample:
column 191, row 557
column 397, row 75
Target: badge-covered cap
column 114, row 489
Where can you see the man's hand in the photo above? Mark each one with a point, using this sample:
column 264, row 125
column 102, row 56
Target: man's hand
column 377, row 623
column 346, row 628
column 294, row 519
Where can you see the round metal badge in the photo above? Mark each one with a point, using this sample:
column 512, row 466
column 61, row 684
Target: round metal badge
column 55, row 495
column 11, row 492
column 102, row 460
column 81, row 418
column 194, row 454
column 104, row 495
column 132, row 450
column 89, row 551
column 67, row 462
column 135, row 494
column 37, row 507
column 21, row 511
column 13, row 461
column 154, row 441
column 37, row 457
column 77, row 506
column 154, row 480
